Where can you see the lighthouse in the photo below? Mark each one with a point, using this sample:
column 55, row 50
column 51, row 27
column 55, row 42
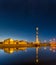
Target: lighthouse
column 37, row 40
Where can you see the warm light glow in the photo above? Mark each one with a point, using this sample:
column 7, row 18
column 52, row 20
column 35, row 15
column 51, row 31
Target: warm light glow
column 37, row 60
column 11, row 51
column 36, row 28
column 44, row 48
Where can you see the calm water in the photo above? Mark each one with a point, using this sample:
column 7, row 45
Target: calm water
column 28, row 56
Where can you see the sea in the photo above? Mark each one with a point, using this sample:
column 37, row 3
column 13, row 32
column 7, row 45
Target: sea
column 28, row 56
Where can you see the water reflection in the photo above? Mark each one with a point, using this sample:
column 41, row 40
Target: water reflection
column 53, row 48
column 11, row 50
column 36, row 55
column 45, row 48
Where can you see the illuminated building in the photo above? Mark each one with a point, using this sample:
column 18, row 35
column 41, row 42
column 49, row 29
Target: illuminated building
column 8, row 41
column 16, row 41
column 22, row 42
column 11, row 41
column 53, row 43
column 37, row 40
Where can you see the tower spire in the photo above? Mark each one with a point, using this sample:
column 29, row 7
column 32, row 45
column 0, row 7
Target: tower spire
column 37, row 40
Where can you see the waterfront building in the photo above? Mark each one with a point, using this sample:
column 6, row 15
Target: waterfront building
column 9, row 41
column 22, row 42
column 53, row 43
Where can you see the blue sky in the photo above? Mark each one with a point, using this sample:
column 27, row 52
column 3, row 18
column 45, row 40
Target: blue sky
column 18, row 19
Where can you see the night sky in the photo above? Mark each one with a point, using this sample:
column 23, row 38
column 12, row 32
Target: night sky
column 19, row 18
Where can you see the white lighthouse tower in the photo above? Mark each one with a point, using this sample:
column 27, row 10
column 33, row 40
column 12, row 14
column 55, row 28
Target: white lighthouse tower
column 37, row 40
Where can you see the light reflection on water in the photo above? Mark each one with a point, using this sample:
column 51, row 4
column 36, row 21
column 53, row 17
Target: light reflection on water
column 24, row 55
